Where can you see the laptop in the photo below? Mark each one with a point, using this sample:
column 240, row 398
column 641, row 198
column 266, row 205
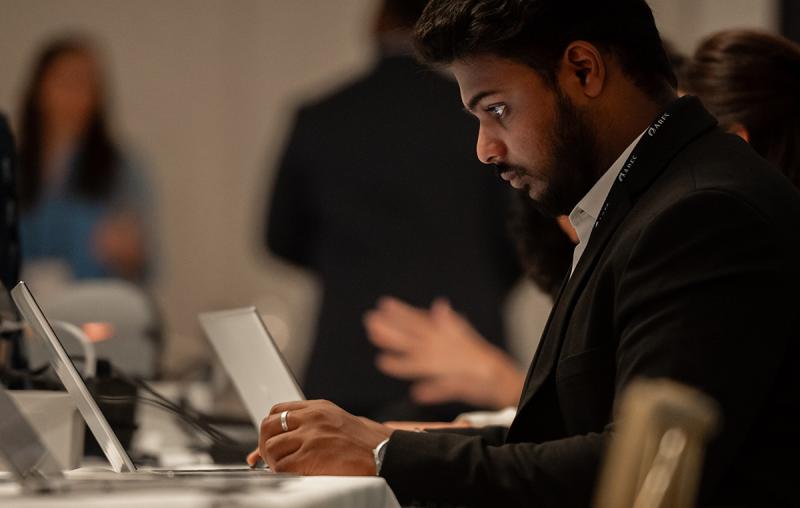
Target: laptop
column 36, row 470
column 98, row 424
column 252, row 359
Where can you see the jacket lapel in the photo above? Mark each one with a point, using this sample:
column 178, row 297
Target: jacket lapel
column 681, row 123
column 550, row 345
column 537, row 356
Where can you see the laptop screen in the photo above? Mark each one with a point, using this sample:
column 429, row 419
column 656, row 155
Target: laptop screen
column 73, row 382
column 252, row 360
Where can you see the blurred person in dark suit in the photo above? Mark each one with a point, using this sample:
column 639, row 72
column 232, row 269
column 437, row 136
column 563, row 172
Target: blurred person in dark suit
column 378, row 193
column 84, row 204
column 750, row 81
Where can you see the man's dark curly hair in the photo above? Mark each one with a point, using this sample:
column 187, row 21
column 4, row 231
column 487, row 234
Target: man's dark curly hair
column 536, row 32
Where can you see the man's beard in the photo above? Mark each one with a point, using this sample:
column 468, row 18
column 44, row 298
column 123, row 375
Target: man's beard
column 572, row 169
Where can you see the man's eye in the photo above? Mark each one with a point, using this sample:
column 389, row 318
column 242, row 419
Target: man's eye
column 497, row 110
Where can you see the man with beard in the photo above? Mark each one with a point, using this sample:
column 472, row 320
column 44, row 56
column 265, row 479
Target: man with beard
column 686, row 268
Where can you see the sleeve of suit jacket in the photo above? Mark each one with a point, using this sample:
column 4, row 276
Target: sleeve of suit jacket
column 702, row 298
column 491, row 435
column 289, row 221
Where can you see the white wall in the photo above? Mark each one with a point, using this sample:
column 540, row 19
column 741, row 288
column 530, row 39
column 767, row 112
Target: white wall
column 204, row 90
column 686, row 22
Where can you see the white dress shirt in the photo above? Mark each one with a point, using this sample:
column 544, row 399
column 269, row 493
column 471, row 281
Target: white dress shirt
column 585, row 213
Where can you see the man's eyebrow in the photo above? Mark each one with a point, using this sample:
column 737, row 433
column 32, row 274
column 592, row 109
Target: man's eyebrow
column 477, row 98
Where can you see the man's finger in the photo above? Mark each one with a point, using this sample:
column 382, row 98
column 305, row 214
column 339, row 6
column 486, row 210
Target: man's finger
column 253, row 457
column 271, row 430
column 292, row 463
column 272, row 425
column 262, row 448
column 288, row 406
column 279, row 447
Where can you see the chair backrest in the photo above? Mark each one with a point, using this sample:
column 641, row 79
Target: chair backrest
column 655, row 458
column 136, row 341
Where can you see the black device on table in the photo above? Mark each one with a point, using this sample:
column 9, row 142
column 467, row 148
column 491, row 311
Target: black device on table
column 10, row 350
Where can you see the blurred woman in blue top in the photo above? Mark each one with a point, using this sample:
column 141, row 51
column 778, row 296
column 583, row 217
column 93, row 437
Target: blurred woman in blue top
column 83, row 204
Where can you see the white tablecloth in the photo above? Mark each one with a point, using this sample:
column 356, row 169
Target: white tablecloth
column 299, row 492
column 158, row 434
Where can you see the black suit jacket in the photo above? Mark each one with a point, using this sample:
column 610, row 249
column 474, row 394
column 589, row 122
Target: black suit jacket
column 379, row 193
column 690, row 274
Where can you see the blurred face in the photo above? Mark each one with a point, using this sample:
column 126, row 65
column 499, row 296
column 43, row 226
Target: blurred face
column 69, row 90
column 530, row 131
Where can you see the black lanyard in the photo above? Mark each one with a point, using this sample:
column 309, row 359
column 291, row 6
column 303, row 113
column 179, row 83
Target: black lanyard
column 647, row 148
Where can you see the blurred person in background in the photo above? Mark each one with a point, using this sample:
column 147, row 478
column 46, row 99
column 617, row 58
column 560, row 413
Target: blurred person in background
column 83, row 202
column 750, row 81
column 379, row 193
column 442, row 353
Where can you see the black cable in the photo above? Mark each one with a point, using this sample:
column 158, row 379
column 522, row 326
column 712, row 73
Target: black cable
column 194, row 418
column 215, row 435
column 190, row 415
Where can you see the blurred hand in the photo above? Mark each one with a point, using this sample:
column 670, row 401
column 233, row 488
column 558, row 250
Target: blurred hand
column 445, row 356
column 118, row 242
column 418, row 426
column 322, row 439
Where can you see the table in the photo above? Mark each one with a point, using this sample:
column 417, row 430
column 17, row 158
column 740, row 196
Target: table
column 159, row 435
column 298, row 492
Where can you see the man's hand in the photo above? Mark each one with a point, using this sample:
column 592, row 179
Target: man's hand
column 445, row 356
column 322, row 439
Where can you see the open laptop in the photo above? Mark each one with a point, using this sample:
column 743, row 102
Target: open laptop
column 252, row 359
column 35, row 469
column 98, row 424
column 28, row 459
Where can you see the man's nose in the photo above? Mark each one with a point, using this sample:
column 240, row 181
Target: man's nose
column 490, row 150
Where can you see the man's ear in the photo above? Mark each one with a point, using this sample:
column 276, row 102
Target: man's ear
column 582, row 73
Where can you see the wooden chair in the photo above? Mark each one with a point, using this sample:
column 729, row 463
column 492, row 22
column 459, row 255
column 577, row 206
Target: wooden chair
column 655, row 458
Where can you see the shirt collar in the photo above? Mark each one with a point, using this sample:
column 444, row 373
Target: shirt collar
column 585, row 213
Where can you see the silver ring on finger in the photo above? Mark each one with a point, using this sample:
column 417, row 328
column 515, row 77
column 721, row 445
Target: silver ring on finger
column 284, row 422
